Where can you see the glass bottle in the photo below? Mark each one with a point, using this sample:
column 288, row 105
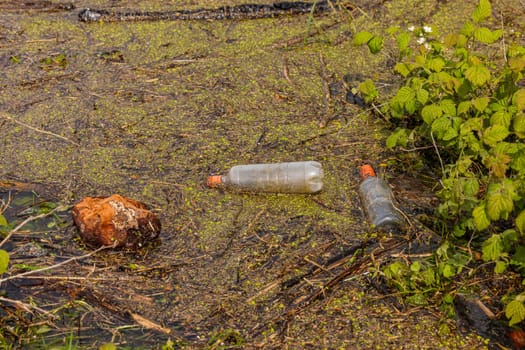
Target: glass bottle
column 377, row 199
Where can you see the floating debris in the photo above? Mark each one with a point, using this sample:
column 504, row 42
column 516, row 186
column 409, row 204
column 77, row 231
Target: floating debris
column 292, row 177
column 115, row 221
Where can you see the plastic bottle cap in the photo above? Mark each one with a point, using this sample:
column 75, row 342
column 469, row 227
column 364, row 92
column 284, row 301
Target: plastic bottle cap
column 214, row 181
column 366, row 171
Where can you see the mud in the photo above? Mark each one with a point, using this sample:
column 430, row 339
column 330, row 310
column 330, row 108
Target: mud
column 149, row 110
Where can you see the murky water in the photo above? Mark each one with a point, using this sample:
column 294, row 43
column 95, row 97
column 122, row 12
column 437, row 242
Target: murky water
column 149, row 110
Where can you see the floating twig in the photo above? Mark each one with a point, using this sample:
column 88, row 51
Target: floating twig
column 24, row 274
column 27, row 307
column 8, row 117
column 29, row 219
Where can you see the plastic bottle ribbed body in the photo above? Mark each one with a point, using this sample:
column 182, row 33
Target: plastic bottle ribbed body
column 377, row 200
column 293, row 177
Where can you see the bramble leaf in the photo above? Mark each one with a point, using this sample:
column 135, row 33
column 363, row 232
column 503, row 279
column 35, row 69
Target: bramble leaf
column 500, row 118
column 481, row 219
column 4, row 261
column 515, row 311
column 477, row 74
column 500, row 199
column 448, row 107
column 517, row 64
column 441, row 124
column 480, row 103
column 402, row 68
column 492, row 248
column 398, row 137
column 463, row 107
column 362, row 38
column 482, row 11
column 403, row 39
column 405, row 94
column 430, row 112
column 436, row 64
column 422, row 96
column 520, row 222
column 368, row 89
column 470, row 185
column 467, row 31
column 375, row 44
column 494, row 134
column 500, row 266
column 519, row 98
column 485, row 35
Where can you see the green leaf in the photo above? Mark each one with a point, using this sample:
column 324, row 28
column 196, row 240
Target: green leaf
column 470, row 186
column 492, row 248
column 480, row 103
column 449, row 271
column 500, row 266
column 467, row 31
column 449, row 134
column 519, row 125
column 418, row 299
column 519, row 99
column 520, row 222
column 477, row 74
column 500, row 199
column 448, row 107
column 375, row 44
column 411, row 106
column 405, row 94
column 402, row 68
column 461, row 43
column 496, row 34
column 494, row 134
column 398, row 137
column 3, row 221
column 441, row 124
column 431, row 112
column 422, row 96
column 362, row 38
column 4, row 261
column 482, row 11
column 463, row 107
column 481, row 219
column 515, row 311
column 485, row 35
column 108, row 346
column 403, row 39
column 368, row 89
column 516, row 64
column 436, row 64
column 415, row 266
column 500, row 118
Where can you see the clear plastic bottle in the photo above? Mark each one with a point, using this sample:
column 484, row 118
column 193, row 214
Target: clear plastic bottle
column 293, row 177
column 377, row 198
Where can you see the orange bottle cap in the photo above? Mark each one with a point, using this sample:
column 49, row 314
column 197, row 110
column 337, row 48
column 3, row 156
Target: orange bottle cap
column 214, row 181
column 366, row 171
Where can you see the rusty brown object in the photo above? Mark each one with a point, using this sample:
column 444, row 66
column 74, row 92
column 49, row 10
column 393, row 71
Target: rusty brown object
column 115, row 221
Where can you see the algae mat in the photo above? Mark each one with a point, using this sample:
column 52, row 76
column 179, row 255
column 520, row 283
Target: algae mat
column 149, row 110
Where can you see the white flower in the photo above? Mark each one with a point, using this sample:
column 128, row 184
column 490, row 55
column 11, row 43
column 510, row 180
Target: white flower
column 411, row 28
column 427, row 29
column 427, row 46
column 420, row 40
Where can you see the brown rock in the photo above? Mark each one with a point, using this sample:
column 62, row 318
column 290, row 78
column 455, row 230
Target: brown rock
column 115, row 221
